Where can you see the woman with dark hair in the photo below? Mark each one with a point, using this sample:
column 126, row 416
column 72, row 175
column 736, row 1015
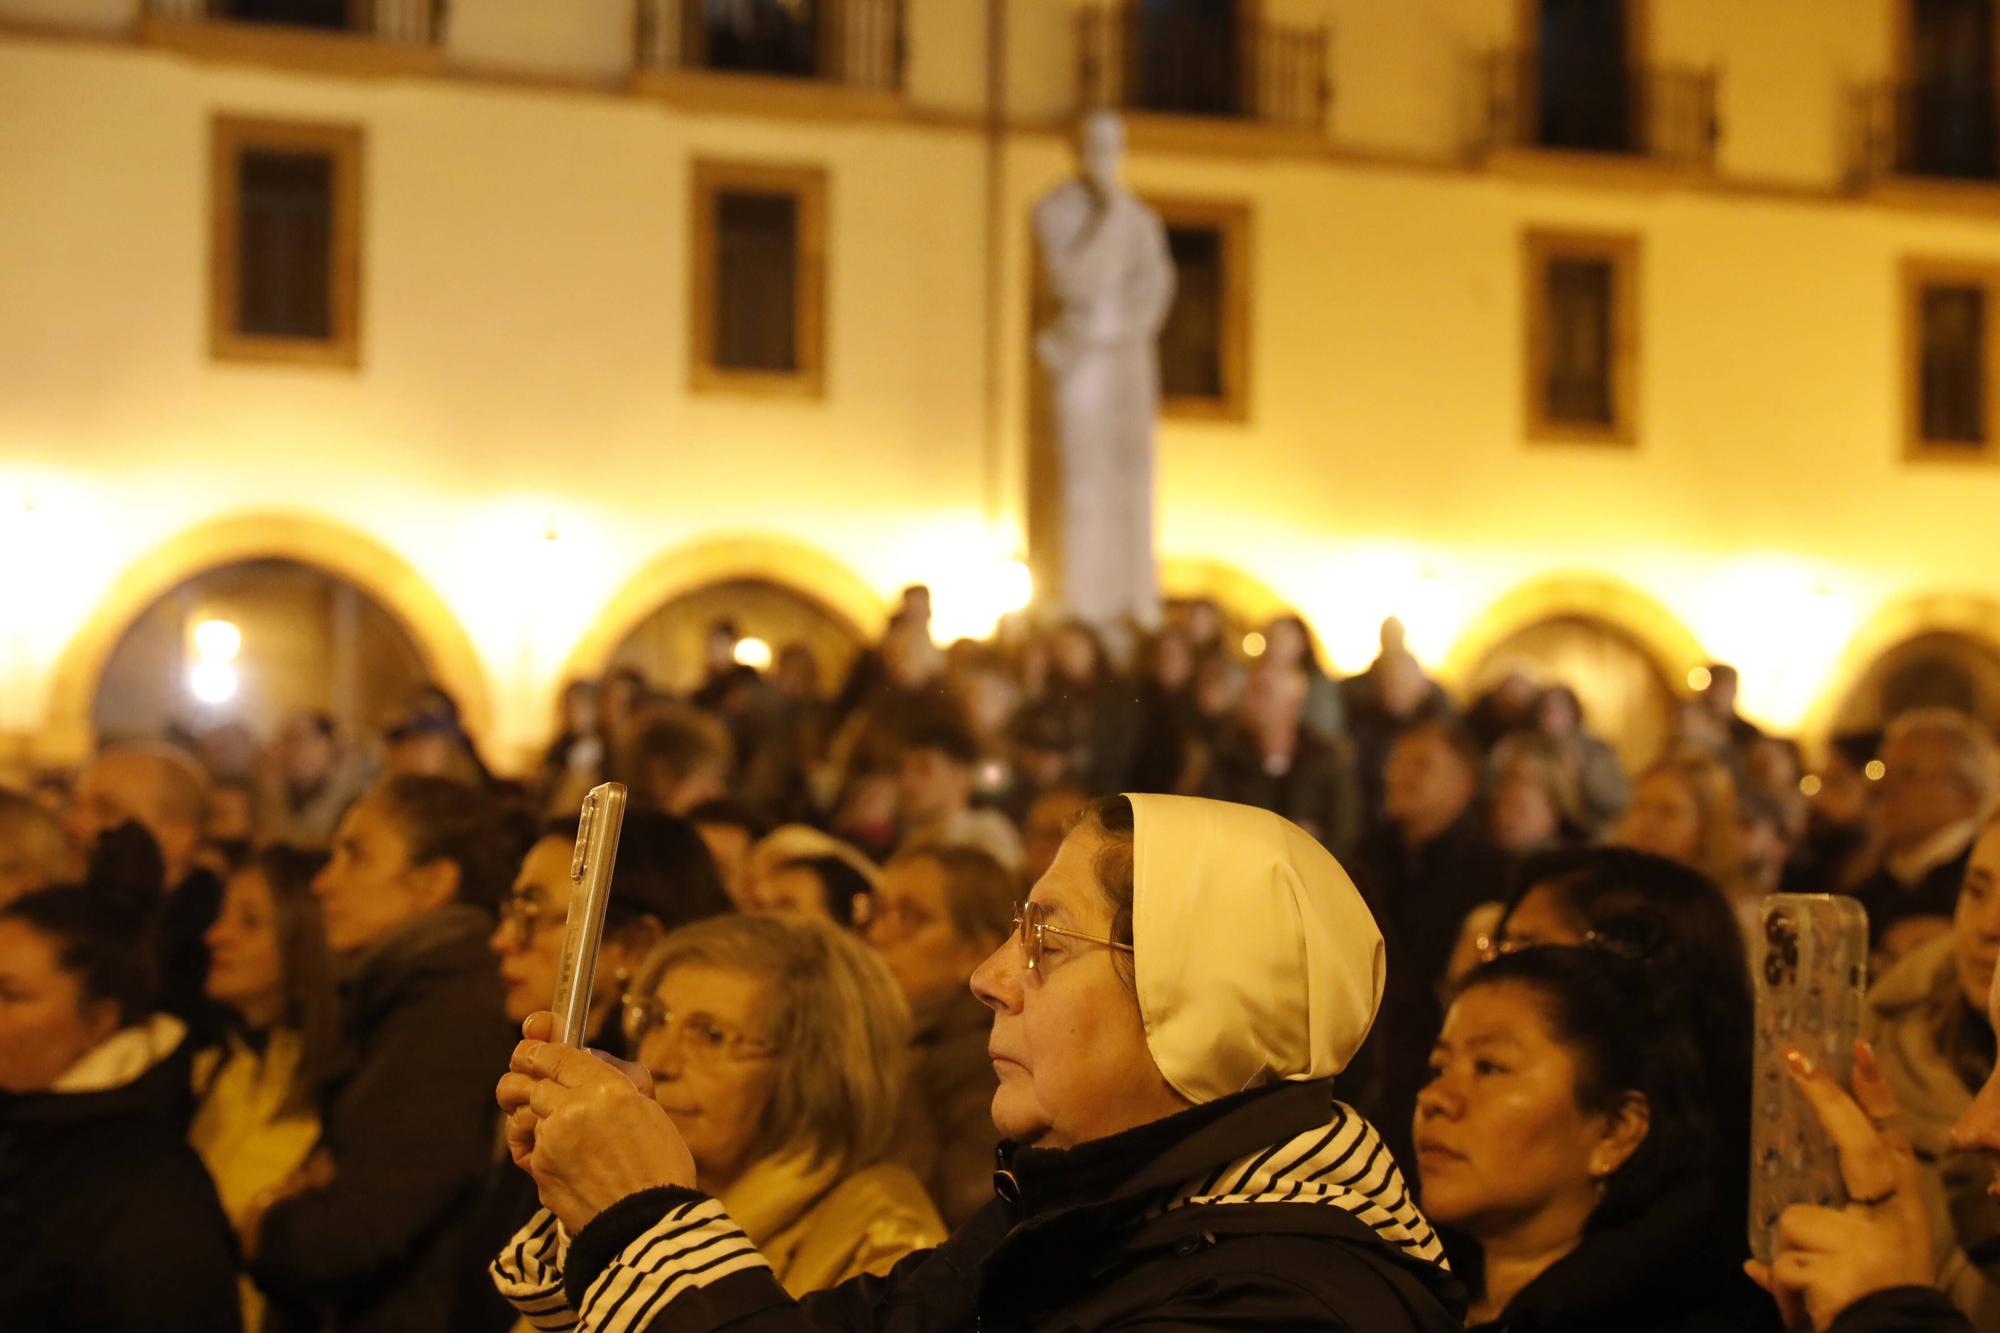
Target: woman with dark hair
column 258, row 1117
column 1562, row 897
column 1288, row 643
column 1099, row 710
column 107, row 1219
column 1169, row 1012
column 1600, row 779
column 364, row 1237
column 1564, row 1142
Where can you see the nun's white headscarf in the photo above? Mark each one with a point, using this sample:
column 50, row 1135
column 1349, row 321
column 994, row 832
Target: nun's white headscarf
column 1256, row 959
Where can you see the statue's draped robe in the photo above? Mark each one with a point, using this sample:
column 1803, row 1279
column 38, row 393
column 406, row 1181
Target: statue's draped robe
column 1113, row 279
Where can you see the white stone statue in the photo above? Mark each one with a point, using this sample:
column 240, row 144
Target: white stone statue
column 1108, row 266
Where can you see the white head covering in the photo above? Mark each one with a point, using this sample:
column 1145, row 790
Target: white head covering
column 1256, row 959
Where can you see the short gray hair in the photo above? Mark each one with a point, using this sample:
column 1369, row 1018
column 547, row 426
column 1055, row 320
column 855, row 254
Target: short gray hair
column 836, row 1016
column 1973, row 753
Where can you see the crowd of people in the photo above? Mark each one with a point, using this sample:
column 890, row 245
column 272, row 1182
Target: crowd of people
column 1288, row 1001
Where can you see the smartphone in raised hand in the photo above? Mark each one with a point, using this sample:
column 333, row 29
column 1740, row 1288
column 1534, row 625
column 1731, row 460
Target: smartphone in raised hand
column 590, row 891
column 1811, row 973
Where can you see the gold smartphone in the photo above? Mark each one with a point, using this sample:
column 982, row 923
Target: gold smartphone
column 590, row 891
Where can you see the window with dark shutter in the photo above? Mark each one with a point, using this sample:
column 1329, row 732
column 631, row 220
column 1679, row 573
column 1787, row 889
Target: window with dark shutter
column 759, row 242
column 1949, row 359
column 1204, row 342
column 1581, row 336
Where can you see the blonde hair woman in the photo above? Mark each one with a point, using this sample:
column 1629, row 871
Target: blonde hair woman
column 1684, row 808
column 779, row 1047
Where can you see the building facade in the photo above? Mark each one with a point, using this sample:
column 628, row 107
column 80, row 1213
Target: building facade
column 528, row 318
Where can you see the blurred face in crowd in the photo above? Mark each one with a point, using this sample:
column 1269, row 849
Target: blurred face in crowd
column 794, row 890
column 713, row 1064
column 1845, row 794
column 1502, row 1145
column 429, row 754
column 1075, row 654
column 1923, row 790
column 1204, row 623
column 1663, row 819
column 1274, row 697
column 245, row 968
column 529, row 938
column 1284, row 644
column 1524, row 810
column 1067, row 1043
column 305, row 754
column 1720, row 696
column 1976, row 927
column 931, row 786
column 1173, row 661
column 149, row 788
column 988, row 699
column 580, row 709
column 797, row 674
column 369, row 889
column 1556, row 715
column 1048, row 821
column 1428, row 784
column 1218, row 686
column 912, row 929
column 231, row 815
column 45, row 1026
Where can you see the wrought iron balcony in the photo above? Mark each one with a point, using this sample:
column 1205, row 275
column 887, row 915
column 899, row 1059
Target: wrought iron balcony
column 1926, row 130
column 415, row 22
column 1658, row 112
column 856, row 43
column 1133, row 57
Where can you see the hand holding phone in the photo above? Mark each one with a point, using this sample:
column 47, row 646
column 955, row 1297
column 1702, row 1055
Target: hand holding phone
column 590, row 891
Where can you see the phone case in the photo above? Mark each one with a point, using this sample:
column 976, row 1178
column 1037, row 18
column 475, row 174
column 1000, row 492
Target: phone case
column 1811, row 975
column 590, row 891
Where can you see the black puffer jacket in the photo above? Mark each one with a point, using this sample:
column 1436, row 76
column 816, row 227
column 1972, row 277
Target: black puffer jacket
column 1276, row 1208
column 1672, row 1269
column 108, row 1219
column 409, row 1123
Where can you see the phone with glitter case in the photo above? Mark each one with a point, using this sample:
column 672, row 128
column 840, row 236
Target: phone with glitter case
column 1810, row 967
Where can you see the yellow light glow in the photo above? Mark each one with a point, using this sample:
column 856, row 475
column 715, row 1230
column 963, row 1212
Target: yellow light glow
column 213, row 682
column 1253, row 644
column 1699, row 679
column 1810, row 785
column 217, row 641
column 753, row 653
column 1013, row 586
column 1875, row 770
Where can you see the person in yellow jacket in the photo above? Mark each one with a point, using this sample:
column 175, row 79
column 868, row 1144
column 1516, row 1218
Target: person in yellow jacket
column 256, row 1118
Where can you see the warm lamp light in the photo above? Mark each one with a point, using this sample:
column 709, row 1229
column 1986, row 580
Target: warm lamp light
column 753, row 653
column 212, row 682
column 1875, row 771
column 1700, row 679
column 217, row 641
column 1253, row 644
column 1810, row 785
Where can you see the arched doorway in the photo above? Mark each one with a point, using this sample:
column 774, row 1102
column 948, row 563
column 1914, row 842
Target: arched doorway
column 667, row 646
column 1627, row 695
column 307, row 639
column 1931, row 669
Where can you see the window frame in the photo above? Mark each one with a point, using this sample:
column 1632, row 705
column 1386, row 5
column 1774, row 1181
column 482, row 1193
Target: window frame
column 1919, row 273
column 710, row 178
column 1233, row 220
column 1624, row 251
column 229, row 137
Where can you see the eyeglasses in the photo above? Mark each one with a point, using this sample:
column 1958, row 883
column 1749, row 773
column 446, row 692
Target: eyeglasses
column 1030, row 925
column 702, row 1037
column 524, row 913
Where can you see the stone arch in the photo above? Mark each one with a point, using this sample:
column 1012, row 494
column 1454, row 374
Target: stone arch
column 1587, row 597
column 1244, row 600
column 798, row 569
column 307, row 539
column 1895, row 626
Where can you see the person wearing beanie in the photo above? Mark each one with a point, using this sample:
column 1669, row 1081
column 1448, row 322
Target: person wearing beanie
column 1170, row 1015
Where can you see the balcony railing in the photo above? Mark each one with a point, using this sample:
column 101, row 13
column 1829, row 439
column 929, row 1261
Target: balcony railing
column 1942, row 132
column 416, row 22
column 1132, row 58
column 1663, row 113
column 857, row 43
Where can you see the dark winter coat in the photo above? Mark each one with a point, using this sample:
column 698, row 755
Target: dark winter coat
column 1667, row 1270
column 409, row 1123
column 1902, row 1310
column 1276, row 1208
column 108, row 1220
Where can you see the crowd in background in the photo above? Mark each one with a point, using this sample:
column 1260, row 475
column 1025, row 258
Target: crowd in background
column 255, row 992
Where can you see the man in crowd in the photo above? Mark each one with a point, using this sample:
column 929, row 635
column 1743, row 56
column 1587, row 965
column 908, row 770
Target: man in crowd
column 934, row 798
column 1270, row 759
column 1940, row 774
column 680, row 759
column 161, row 790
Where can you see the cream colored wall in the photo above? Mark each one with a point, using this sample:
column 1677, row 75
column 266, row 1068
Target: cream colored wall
column 576, row 38
column 524, row 360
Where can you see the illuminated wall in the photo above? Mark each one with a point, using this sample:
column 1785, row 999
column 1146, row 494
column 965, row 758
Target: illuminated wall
column 522, row 458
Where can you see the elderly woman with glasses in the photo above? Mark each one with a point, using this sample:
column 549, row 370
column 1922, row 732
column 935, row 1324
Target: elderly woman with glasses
column 1169, row 1014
